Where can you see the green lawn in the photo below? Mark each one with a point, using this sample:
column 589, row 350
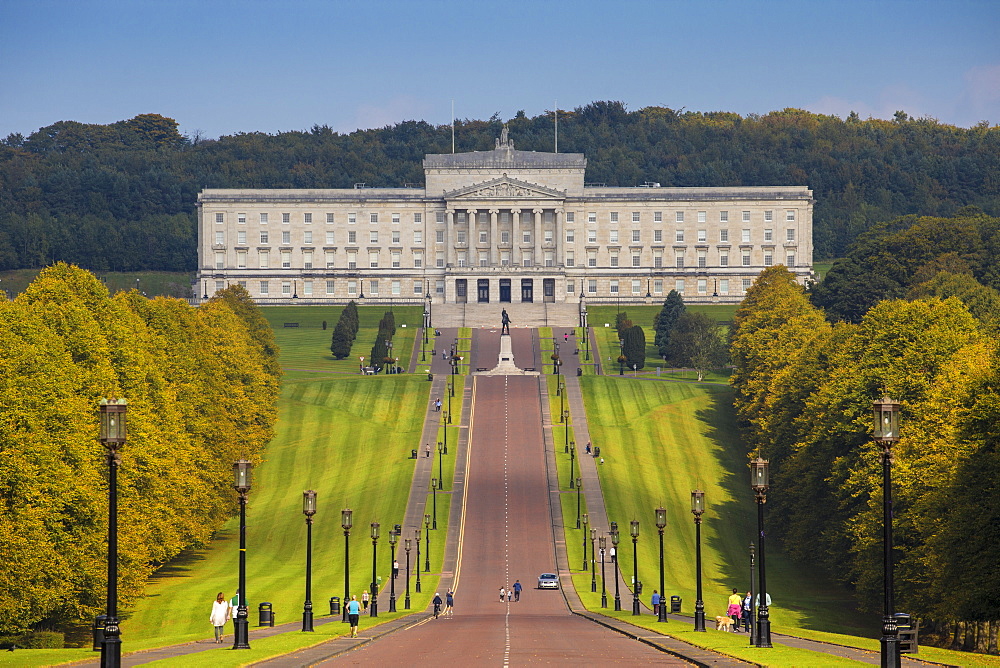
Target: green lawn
column 151, row 283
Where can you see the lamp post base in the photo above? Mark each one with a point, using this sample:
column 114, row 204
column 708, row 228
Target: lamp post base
column 241, row 629
column 307, row 618
column 111, row 646
column 618, row 604
column 763, row 630
column 661, row 615
column 392, row 604
column 604, row 600
column 635, row 606
column 699, row 615
column 890, row 643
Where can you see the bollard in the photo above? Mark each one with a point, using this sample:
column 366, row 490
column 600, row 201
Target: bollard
column 99, row 632
column 266, row 614
column 334, row 605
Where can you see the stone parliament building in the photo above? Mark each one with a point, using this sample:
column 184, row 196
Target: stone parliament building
column 501, row 226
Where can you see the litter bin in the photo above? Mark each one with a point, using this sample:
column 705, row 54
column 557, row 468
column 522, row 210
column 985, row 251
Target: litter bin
column 430, row 376
column 579, row 371
column 266, row 614
column 597, row 451
column 99, row 632
column 675, row 604
column 335, row 602
column 907, row 630
column 413, row 454
column 638, row 587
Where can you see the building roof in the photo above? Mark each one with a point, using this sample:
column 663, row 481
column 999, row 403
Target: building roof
column 504, row 158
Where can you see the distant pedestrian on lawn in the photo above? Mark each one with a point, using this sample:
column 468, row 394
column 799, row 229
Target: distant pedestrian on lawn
column 221, row 612
column 449, row 604
column 353, row 613
column 517, row 590
column 437, row 605
column 364, row 600
column 656, row 602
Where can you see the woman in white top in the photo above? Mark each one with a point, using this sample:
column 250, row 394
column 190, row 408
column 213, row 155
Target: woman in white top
column 220, row 615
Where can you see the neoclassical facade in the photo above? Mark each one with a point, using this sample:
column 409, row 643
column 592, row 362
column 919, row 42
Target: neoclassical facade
column 501, row 226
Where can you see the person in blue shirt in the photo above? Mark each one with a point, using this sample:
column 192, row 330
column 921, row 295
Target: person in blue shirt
column 449, row 604
column 517, row 590
column 437, row 605
column 656, row 602
column 353, row 613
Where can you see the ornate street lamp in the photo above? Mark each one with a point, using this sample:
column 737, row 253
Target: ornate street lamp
column 603, row 543
column 112, row 436
column 427, row 543
column 661, row 524
column 579, row 487
column 572, row 465
column 759, row 483
column 416, row 538
column 586, row 533
column 697, row 509
column 565, row 420
column 393, row 537
column 615, row 538
column 241, row 483
column 593, row 566
column 886, row 433
column 308, row 509
column 374, row 606
column 634, row 531
column 406, row 601
column 434, row 487
column 440, row 484
column 753, row 594
column 346, row 522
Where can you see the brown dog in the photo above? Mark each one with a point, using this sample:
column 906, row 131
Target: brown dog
column 724, row 623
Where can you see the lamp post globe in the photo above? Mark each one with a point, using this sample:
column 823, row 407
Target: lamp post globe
column 346, row 522
column 661, row 524
column 697, row 509
column 112, row 436
column 308, row 509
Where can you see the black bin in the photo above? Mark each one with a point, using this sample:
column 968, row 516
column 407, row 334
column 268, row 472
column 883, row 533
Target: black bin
column 907, row 630
column 99, row 631
column 413, row 454
column 675, row 604
column 597, row 451
column 335, row 602
column 579, row 371
column 266, row 614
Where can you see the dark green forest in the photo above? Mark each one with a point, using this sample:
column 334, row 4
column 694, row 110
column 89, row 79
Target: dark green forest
column 120, row 197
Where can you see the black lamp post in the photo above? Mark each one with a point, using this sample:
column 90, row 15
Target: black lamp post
column 308, row 509
column 416, row 538
column 347, row 521
column 572, row 465
column 434, row 497
column 112, row 435
column 374, row 587
column 241, row 629
column 586, row 336
column 615, row 538
column 634, row 531
column 886, row 433
column 579, row 486
column 697, row 508
column 661, row 524
column 561, row 391
column 393, row 537
column 586, row 533
column 423, row 345
column 759, row 483
column 593, row 566
column 565, row 419
column 753, row 594
column 427, row 543
column 440, row 484
column 603, row 542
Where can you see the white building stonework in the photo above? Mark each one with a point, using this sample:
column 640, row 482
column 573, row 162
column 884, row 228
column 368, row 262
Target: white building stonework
column 501, row 226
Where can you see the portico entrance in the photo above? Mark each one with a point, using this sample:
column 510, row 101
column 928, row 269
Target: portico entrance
column 505, row 290
column 527, row 290
column 484, row 290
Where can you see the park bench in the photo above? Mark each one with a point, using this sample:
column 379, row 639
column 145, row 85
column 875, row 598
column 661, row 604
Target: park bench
column 291, row 324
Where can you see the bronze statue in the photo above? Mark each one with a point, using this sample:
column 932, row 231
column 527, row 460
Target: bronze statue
column 505, row 323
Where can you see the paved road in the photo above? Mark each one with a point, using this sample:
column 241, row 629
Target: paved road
column 507, row 536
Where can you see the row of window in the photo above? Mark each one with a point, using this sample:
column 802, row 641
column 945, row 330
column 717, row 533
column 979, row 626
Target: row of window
column 526, row 216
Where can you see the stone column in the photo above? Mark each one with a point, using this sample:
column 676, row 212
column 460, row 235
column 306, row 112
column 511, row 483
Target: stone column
column 494, row 239
column 449, row 238
column 537, row 258
column 557, row 237
column 515, row 228
column 472, row 250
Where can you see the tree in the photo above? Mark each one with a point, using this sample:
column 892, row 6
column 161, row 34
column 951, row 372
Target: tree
column 634, row 348
column 697, row 342
column 665, row 321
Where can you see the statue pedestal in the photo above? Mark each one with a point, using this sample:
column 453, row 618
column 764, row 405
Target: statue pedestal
column 505, row 364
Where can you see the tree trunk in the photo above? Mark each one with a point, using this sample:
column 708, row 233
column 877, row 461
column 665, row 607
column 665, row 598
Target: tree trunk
column 992, row 645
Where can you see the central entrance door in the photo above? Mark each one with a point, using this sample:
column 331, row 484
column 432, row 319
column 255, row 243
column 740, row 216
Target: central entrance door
column 484, row 290
column 527, row 290
column 505, row 290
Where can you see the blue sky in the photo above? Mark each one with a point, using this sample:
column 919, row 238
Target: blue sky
column 221, row 67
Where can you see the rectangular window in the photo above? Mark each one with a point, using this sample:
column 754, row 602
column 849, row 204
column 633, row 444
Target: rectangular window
column 439, row 216
column 571, row 287
column 263, row 219
column 352, row 260
column 418, row 219
column 636, row 236
column 329, row 236
column 482, row 237
column 504, row 258
column 657, row 259
column 591, row 258
column 658, row 236
column 547, row 238
column 396, row 288
column 330, row 286
column 395, row 219
column 614, row 259
column 307, row 288
column 352, row 219
column 307, row 237
column 702, row 216
column 264, row 287
column 591, row 217
column 373, row 287
column 220, row 260
column 263, row 259
column 286, row 259
column 570, row 217
column 746, row 258
column 746, row 216
column 418, row 260
column 373, row 218
column 460, row 236
column 460, row 217
column 657, row 216
column 613, row 287
column 395, row 236
column 613, row 236
column 418, row 237
column 679, row 261
column 220, row 237
column 461, row 258
column 702, row 286
column 439, row 287
column 263, row 236
column 570, row 261
column 635, row 216
column 790, row 234
column 636, row 260
column 768, row 236
column 286, row 288
column 526, row 260
column 484, row 259
column 241, row 218
column 592, row 236
column 768, row 259
column 505, row 237
column 286, row 218
column 723, row 286
column 724, row 236
column 702, row 259
column 745, row 238
column 439, row 260
column 352, row 288
column 723, row 259
column 242, row 284
column 418, row 287
column 241, row 259
column 526, row 237
column 307, row 218
column 679, row 217
column 396, row 259
column 790, row 260
column 679, row 285
column 307, row 259
column 352, row 236
column 220, row 218
column 592, row 286
column 373, row 236
column 702, row 236
column 286, row 237
column 439, row 236
column 570, row 236
column 679, row 235
column 658, row 286
column 790, row 215
column 614, row 216
column 373, row 259
column 329, row 259
column 723, row 216
column 329, row 219
column 746, row 284
column 636, row 286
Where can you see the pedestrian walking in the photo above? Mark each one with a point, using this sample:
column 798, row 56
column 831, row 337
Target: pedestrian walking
column 221, row 612
column 655, row 600
column 395, row 569
column 438, row 405
column 510, row 594
column 449, row 604
column 735, row 609
column 427, row 449
column 503, row 594
column 437, row 605
column 747, row 613
column 364, row 600
column 353, row 613
column 517, row 590
column 566, row 337
column 588, row 447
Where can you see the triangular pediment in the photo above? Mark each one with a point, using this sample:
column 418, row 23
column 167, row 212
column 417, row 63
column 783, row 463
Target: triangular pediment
column 504, row 188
